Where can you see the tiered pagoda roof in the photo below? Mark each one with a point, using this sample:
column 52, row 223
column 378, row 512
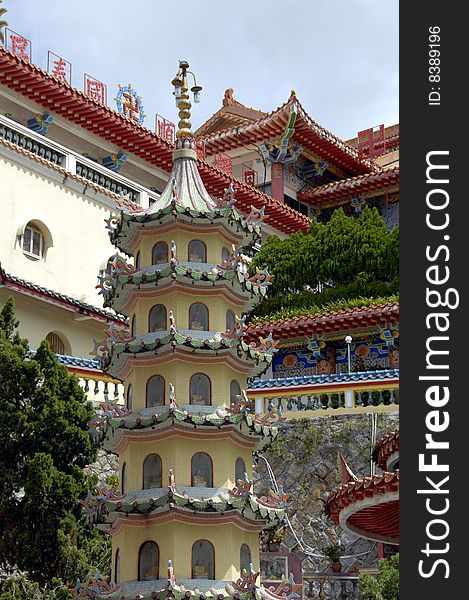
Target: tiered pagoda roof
column 67, row 302
column 370, row 184
column 72, row 104
column 119, row 351
column 231, row 114
column 387, row 448
column 308, row 133
column 114, row 424
column 327, row 323
column 369, row 506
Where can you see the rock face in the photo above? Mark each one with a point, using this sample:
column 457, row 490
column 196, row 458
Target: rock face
column 304, row 462
column 106, row 466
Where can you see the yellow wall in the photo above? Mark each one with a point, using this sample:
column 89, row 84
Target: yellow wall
column 38, row 318
column 179, row 373
column 176, row 453
column 175, row 542
column 213, row 241
column 180, row 302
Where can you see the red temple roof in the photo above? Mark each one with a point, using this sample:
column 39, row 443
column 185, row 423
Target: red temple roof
column 387, row 180
column 231, row 114
column 368, row 507
column 308, row 133
column 386, row 447
column 326, row 322
column 72, row 104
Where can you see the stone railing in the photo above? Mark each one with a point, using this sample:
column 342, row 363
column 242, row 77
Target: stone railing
column 99, row 390
column 337, row 393
column 75, row 163
column 330, row 586
column 98, row 386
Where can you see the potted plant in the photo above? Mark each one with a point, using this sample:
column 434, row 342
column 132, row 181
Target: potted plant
column 275, row 539
column 333, row 554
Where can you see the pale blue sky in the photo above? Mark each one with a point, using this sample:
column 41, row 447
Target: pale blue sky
column 341, row 56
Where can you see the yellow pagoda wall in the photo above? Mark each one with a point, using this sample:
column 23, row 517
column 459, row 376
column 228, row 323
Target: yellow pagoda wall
column 214, row 243
column 175, row 541
column 179, row 374
column 179, row 302
column 176, row 453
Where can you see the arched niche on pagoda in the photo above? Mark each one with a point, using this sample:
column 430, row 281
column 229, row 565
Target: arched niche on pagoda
column 201, row 470
column 203, row 560
column 155, row 391
column 157, row 318
column 189, row 388
column 148, row 561
column 152, row 472
column 200, row 390
column 245, row 558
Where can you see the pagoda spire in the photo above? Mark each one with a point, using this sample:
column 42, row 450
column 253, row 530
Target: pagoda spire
column 185, row 187
column 2, row 24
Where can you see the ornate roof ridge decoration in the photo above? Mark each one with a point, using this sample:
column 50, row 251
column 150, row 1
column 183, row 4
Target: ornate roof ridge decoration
column 233, row 110
column 111, row 417
column 106, row 504
column 245, row 588
column 18, row 284
column 224, row 213
column 345, row 188
column 73, row 104
column 368, row 506
column 361, row 488
column 118, row 342
column 385, row 309
column 231, row 271
column 321, row 132
column 385, row 447
column 308, row 380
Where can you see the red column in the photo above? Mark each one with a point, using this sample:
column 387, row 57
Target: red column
column 276, row 176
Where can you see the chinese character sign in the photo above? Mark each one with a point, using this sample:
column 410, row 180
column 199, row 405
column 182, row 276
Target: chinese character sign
column 129, row 104
column 59, row 68
column 224, row 163
column 17, row 44
column 96, row 90
column 165, row 129
column 371, row 142
column 249, row 175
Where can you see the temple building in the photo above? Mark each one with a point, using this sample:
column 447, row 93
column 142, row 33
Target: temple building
column 298, row 162
column 369, row 506
column 186, row 436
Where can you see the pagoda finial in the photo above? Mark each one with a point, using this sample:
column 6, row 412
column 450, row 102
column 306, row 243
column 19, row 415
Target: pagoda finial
column 2, row 24
column 182, row 99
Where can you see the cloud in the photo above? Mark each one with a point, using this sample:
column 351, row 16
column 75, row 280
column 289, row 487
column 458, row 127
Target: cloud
column 340, row 56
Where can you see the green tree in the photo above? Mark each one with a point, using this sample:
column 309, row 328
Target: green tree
column 343, row 258
column 44, row 420
column 386, row 585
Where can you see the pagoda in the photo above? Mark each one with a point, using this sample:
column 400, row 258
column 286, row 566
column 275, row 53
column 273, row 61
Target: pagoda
column 185, row 521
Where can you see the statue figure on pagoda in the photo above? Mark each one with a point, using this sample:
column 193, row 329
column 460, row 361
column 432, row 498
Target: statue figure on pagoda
column 187, row 419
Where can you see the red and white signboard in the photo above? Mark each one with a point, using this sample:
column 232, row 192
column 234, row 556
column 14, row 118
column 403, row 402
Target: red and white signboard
column 371, row 142
column 59, row 67
column 18, row 44
column 249, row 175
column 95, row 89
column 165, row 129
